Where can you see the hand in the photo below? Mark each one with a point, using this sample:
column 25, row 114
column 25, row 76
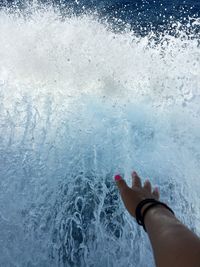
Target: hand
column 132, row 196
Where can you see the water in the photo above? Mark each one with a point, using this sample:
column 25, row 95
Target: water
column 84, row 97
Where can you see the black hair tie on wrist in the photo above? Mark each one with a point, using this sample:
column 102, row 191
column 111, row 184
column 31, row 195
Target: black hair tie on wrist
column 140, row 216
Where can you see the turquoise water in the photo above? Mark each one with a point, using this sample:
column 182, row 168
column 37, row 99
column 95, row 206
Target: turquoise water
column 80, row 103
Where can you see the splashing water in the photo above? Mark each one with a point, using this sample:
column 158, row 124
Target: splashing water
column 80, row 103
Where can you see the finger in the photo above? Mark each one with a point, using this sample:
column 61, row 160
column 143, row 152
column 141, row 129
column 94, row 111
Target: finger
column 121, row 183
column 147, row 186
column 156, row 193
column 136, row 181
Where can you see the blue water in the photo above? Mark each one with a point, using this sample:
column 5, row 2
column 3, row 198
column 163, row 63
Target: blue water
column 89, row 89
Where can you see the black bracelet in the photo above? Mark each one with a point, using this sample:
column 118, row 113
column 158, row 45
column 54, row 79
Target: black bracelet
column 138, row 211
column 139, row 208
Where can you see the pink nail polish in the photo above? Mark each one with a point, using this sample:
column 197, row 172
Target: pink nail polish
column 118, row 177
column 134, row 173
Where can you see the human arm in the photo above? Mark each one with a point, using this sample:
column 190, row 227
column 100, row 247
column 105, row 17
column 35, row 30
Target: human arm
column 174, row 245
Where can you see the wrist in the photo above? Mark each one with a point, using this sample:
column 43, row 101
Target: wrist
column 158, row 210
column 159, row 216
column 147, row 205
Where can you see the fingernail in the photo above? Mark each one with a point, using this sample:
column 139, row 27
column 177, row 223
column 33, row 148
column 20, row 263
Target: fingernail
column 134, row 173
column 118, row 177
column 156, row 189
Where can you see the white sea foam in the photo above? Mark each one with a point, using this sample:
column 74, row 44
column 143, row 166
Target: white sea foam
column 78, row 104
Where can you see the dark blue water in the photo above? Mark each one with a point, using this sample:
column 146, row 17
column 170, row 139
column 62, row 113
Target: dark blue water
column 142, row 16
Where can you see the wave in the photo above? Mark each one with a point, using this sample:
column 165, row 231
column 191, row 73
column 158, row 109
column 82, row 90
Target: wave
column 79, row 103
